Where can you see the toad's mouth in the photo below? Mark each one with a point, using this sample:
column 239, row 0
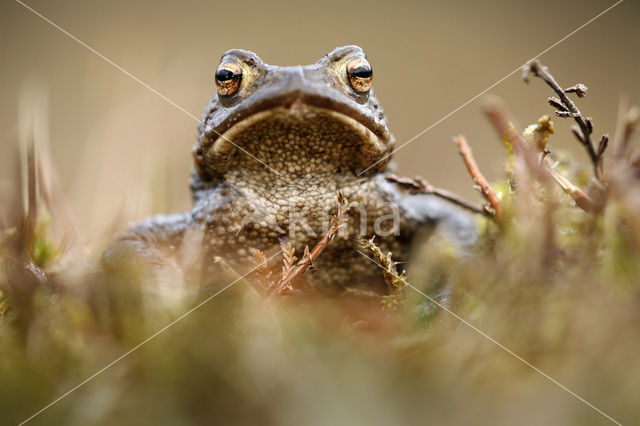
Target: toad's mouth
column 297, row 137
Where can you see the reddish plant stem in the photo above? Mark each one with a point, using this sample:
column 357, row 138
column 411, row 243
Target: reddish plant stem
column 498, row 116
column 479, row 179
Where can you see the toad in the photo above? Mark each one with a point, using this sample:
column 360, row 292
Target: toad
column 276, row 145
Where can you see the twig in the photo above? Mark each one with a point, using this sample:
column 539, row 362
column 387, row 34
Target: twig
column 418, row 185
column 578, row 89
column 309, row 256
column 567, row 108
column 602, row 147
column 514, row 142
column 498, row 116
column 579, row 196
column 479, row 179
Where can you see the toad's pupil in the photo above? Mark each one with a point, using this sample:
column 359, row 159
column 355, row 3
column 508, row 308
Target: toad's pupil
column 225, row 74
column 362, row 72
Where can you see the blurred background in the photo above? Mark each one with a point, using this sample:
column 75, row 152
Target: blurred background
column 120, row 151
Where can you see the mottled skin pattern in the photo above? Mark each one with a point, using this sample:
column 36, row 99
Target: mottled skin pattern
column 316, row 133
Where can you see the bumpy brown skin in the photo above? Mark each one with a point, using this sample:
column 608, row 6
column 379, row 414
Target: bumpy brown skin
column 316, row 134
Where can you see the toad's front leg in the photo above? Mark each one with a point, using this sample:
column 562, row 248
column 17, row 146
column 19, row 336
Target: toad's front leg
column 161, row 250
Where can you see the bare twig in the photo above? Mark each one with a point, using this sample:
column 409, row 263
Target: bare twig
column 578, row 89
column 309, row 256
column 567, row 108
column 514, row 140
column 557, row 103
column 579, row 196
column 602, row 147
column 498, row 116
column 500, row 119
column 479, row 179
column 418, row 185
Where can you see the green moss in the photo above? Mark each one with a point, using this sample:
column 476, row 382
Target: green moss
column 44, row 249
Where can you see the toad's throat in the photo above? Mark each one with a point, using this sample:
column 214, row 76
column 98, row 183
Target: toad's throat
column 299, row 139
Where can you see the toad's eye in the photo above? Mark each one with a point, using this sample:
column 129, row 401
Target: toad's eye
column 228, row 78
column 360, row 75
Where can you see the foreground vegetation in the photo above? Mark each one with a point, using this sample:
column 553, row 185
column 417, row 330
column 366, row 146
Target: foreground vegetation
column 554, row 279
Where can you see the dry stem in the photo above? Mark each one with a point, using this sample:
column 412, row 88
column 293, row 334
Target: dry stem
column 419, row 185
column 293, row 272
column 579, row 196
column 498, row 116
column 479, row 179
column 567, row 108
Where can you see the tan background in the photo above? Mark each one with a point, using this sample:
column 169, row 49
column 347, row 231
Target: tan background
column 122, row 152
